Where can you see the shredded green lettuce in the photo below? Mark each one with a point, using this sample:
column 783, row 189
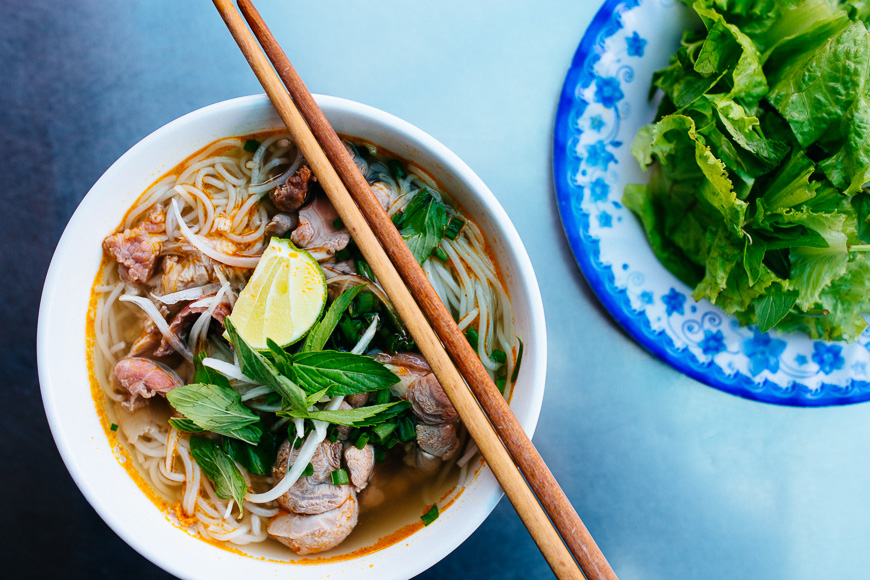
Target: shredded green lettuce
column 758, row 159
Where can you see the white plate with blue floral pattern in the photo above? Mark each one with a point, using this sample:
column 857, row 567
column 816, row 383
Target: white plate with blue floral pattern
column 604, row 102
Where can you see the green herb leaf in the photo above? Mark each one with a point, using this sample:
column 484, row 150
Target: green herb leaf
column 257, row 458
column 315, row 397
column 424, row 224
column 257, row 367
column 185, row 425
column 431, row 515
column 359, row 417
column 216, row 409
column 220, row 469
column 321, row 332
column 773, row 307
column 347, row 373
column 207, row 375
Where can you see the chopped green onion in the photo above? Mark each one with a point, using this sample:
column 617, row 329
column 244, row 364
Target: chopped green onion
column 396, row 168
column 297, row 443
column 517, row 364
column 500, row 384
column 362, row 440
column 391, row 442
column 472, row 337
column 342, row 255
column 251, row 145
column 398, row 218
column 440, row 253
column 431, row 515
column 380, row 454
column 498, row 356
column 308, row 471
column 383, row 397
column 339, row 477
column 113, row 427
column 454, row 227
column 383, row 430
column 338, row 224
column 333, row 435
column 364, row 269
column 406, row 429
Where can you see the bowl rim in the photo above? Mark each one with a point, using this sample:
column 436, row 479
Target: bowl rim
column 535, row 344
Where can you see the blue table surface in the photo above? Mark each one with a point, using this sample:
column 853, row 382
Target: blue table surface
column 672, row 478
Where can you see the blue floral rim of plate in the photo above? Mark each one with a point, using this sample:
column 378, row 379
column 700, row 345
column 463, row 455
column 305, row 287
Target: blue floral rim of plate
column 602, row 104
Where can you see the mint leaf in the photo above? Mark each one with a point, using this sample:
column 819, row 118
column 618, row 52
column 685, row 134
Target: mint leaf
column 185, row 425
column 257, row 458
column 343, row 372
column 424, row 224
column 220, row 469
column 321, row 332
column 257, row 367
column 773, row 307
column 359, row 417
column 217, row 409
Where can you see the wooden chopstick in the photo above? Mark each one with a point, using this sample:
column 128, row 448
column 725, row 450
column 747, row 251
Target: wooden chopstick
column 572, row 529
column 557, row 556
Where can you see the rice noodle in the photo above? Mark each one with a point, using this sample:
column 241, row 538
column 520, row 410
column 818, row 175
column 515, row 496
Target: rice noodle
column 188, row 294
column 205, row 247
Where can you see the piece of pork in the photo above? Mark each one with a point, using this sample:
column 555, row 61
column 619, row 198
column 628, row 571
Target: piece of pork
column 281, row 223
column 291, row 196
column 360, row 465
column 317, row 229
column 310, row 534
column 418, row 385
column 185, row 318
column 314, row 494
column 439, row 441
column 357, row 400
column 143, row 378
column 136, row 249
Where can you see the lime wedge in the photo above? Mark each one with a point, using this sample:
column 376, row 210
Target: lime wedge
column 283, row 299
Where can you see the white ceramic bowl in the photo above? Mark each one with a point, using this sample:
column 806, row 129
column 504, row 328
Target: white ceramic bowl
column 61, row 342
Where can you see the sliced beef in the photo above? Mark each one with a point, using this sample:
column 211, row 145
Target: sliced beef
column 310, row 534
column 183, row 272
column 314, row 494
column 136, row 249
column 143, row 378
column 185, row 318
column 360, row 465
column 317, row 228
column 291, row 196
column 438, row 440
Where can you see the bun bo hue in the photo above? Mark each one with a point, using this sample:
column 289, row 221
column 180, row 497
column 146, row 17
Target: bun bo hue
column 255, row 372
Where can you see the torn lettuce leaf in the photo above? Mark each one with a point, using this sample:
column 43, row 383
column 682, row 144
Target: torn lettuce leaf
column 758, row 157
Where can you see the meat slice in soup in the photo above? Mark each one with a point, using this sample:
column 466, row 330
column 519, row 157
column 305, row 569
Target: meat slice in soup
column 183, row 272
column 292, row 195
column 317, row 228
column 314, row 494
column 136, row 249
column 419, row 386
column 360, row 465
column 185, row 318
column 143, row 378
column 310, row 534
column 438, row 440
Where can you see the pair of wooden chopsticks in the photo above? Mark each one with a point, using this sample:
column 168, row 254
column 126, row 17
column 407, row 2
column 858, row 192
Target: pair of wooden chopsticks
column 401, row 276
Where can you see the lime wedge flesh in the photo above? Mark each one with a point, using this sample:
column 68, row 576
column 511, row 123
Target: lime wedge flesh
column 283, row 299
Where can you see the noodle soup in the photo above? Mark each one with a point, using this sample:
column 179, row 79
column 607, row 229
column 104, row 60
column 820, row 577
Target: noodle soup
column 353, row 469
